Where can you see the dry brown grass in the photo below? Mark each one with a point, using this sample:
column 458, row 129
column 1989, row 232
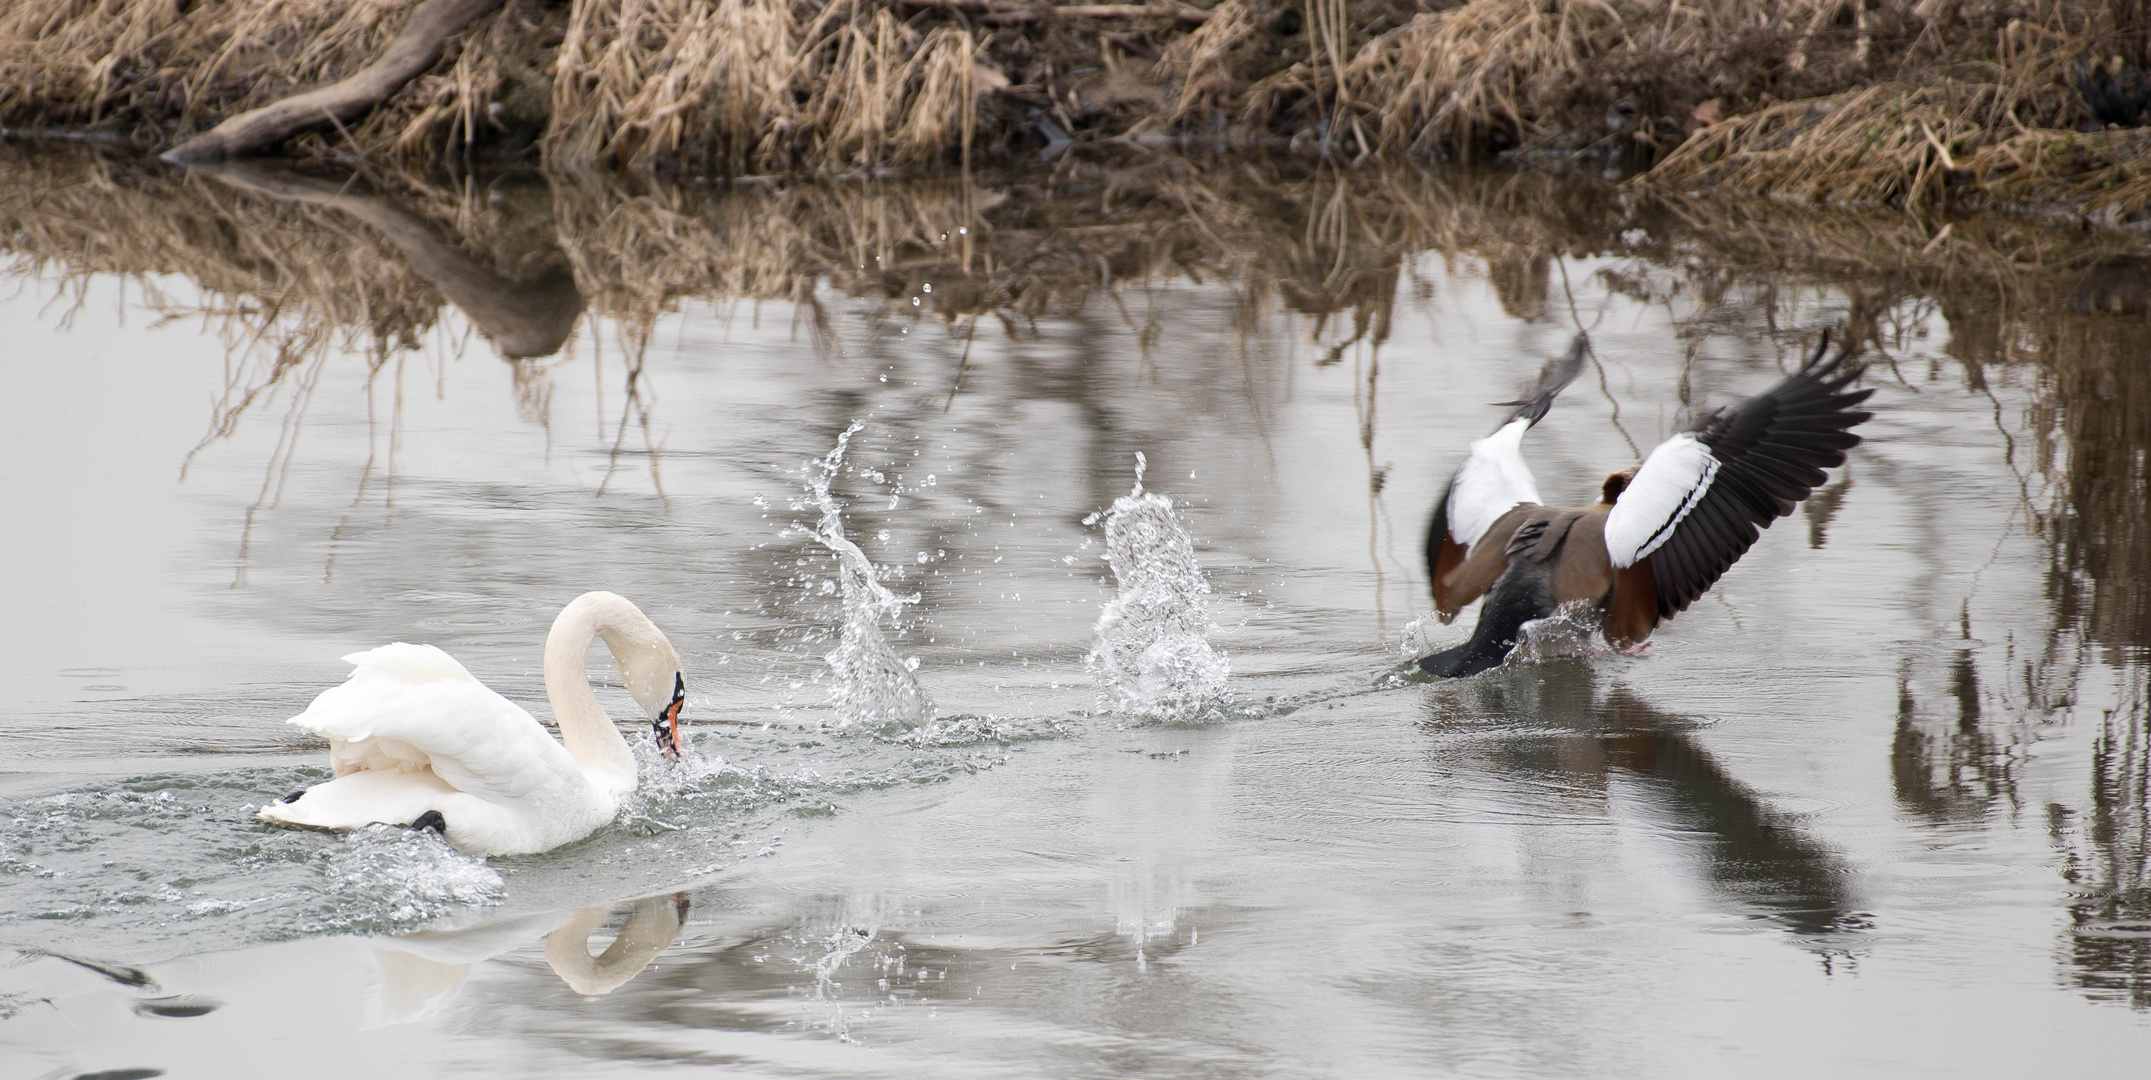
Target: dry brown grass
column 2105, row 172
column 161, row 70
column 1524, row 70
column 645, row 77
column 1911, row 102
column 1200, row 63
column 739, row 84
column 1886, row 143
column 1909, row 142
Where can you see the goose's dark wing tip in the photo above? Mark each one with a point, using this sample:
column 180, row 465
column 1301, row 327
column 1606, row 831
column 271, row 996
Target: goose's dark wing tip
column 1771, row 451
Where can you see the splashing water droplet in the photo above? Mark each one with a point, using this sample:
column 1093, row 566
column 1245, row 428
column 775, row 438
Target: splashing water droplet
column 872, row 686
column 1152, row 652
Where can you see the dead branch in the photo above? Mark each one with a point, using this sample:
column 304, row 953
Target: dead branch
column 407, row 56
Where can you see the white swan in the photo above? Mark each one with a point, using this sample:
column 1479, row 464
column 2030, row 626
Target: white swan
column 415, row 740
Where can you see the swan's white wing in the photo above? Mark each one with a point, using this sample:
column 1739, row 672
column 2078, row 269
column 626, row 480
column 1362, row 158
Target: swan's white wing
column 1701, row 497
column 413, row 707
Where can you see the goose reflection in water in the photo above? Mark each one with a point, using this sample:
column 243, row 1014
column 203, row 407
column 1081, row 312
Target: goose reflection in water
column 1759, row 858
column 420, row 973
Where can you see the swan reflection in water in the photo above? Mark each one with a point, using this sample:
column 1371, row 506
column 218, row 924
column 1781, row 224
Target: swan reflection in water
column 420, row 973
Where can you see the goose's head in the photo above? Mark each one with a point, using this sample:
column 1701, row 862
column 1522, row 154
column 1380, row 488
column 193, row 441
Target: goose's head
column 652, row 674
column 1611, row 492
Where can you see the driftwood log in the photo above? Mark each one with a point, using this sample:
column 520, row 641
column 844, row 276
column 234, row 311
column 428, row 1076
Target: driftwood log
column 407, row 56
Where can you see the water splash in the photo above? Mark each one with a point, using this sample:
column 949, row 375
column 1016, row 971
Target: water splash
column 1417, row 637
column 873, row 685
column 827, row 996
column 407, row 877
column 1573, row 631
column 195, row 857
column 1152, row 652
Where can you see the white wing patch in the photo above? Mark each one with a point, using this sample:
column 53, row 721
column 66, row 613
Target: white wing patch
column 1489, row 483
column 1671, row 482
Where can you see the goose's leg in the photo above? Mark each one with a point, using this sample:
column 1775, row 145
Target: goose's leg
column 296, row 795
column 431, row 819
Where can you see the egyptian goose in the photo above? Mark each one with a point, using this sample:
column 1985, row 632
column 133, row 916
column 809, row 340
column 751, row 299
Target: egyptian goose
column 1660, row 533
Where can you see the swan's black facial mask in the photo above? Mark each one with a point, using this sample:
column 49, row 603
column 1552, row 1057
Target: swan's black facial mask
column 666, row 727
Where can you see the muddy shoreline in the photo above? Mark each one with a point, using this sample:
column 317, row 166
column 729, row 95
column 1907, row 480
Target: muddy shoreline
column 1959, row 104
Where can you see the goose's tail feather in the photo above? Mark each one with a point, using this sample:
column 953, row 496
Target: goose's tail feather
column 1553, row 378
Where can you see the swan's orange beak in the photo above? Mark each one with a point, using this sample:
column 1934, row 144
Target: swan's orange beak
column 666, row 728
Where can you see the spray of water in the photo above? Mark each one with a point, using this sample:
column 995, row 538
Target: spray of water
column 1572, row 631
column 406, row 877
column 827, row 996
column 873, row 686
column 1152, row 652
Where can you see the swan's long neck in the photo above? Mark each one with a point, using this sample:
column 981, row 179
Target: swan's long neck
column 636, row 645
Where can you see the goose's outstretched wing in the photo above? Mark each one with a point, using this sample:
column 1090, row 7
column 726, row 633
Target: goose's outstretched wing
column 1701, row 498
column 1491, row 483
column 409, row 708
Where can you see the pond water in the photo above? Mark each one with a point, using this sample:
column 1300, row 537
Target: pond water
column 1879, row 804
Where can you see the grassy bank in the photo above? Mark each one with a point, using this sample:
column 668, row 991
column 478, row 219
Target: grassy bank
column 1908, row 102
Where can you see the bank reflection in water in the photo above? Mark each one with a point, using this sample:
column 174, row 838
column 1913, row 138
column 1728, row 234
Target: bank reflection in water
column 2106, row 851
column 526, row 316
column 420, row 973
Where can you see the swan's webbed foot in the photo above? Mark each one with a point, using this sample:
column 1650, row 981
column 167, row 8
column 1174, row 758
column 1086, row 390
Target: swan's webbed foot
column 431, row 819
column 294, row 796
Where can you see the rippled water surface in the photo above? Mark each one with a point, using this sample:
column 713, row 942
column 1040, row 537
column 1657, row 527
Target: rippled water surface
column 1043, row 553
